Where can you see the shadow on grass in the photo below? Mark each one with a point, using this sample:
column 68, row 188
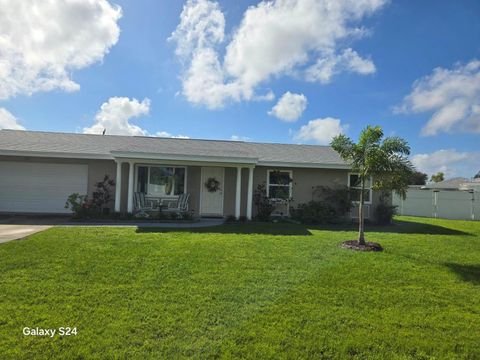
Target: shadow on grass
column 398, row 227
column 468, row 273
column 411, row 227
column 283, row 229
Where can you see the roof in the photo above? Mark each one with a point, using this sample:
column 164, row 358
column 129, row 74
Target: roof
column 454, row 183
column 55, row 144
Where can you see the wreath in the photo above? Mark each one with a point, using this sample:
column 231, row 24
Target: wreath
column 212, row 184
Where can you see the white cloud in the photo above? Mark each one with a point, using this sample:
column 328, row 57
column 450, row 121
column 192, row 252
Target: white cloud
column 449, row 161
column 321, row 131
column 169, row 135
column 289, row 107
column 328, row 66
column 8, row 121
column 274, row 38
column 115, row 115
column 452, row 95
column 42, row 42
column 239, row 138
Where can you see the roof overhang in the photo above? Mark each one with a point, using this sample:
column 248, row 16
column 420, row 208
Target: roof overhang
column 58, row 155
column 303, row 165
column 129, row 155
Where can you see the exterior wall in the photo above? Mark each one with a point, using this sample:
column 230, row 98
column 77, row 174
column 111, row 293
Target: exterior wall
column 97, row 169
column 306, row 179
column 193, row 188
column 230, row 191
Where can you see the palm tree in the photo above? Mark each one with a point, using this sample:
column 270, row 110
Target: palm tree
column 384, row 162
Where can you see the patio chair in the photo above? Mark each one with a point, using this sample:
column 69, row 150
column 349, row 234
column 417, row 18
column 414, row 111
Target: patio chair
column 179, row 206
column 142, row 205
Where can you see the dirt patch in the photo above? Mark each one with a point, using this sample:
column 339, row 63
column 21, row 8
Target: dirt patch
column 354, row 245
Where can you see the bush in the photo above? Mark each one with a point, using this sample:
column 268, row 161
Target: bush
column 331, row 206
column 262, row 203
column 101, row 194
column 79, row 205
column 230, row 219
column 82, row 207
column 168, row 215
column 314, row 212
column 339, row 197
column 384, row 212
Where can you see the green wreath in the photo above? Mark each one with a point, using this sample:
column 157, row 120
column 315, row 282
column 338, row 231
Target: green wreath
column 212, row 184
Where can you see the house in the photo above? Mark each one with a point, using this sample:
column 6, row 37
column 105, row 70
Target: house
column 38, row 170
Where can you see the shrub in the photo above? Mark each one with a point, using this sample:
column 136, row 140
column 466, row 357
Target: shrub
column 230, row 219
column 339, row 197
column 80, row 205
column 101, row 194
column 384, row 211
column 330, row 206
column 83, row 207
column 262, row 203
column 242, row 219
column 314, row 212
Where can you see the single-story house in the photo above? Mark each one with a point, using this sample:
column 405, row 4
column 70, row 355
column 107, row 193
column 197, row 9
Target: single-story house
column 38, row 170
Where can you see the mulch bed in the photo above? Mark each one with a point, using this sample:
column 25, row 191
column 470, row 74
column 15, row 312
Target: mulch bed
column 354, row 245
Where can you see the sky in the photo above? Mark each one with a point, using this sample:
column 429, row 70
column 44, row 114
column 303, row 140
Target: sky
column 287, row 71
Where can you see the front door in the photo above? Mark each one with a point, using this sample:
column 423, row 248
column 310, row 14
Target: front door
column 212, row 187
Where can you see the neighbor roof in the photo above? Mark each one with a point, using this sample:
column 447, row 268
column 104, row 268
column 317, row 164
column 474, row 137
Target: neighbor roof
column 35, row 143
column 453, row 183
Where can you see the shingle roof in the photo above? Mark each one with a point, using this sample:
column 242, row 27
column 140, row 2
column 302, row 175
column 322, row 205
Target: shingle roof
column 18, row 141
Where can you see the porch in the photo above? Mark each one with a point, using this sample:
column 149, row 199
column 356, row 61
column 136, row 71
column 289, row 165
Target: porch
column 163, row 181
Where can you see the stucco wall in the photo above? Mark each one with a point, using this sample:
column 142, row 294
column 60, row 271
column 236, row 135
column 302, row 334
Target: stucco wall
column 306, row 179
column 193, row 188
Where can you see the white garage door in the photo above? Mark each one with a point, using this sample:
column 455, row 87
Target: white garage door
column 39, row 187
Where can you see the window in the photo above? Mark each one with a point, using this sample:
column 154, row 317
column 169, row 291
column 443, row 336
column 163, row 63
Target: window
column 354, row 183
column 279, row 184
column 161, row 180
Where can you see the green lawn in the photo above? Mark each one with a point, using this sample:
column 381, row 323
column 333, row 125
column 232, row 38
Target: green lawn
column 244, row 291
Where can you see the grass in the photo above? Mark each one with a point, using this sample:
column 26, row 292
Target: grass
column 254, row 291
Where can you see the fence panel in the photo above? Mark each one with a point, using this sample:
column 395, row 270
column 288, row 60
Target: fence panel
column 454, row 205
column 442, row 204
column 417, row 203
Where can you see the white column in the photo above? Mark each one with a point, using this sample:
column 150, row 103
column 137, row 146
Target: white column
column 250, row 193
column 118, row 187
column 239, row 192
column 130, row 188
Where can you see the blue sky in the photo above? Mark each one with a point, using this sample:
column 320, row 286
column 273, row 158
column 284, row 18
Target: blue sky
column 372, row 65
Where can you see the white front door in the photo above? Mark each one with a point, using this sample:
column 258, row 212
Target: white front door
column 212, row 201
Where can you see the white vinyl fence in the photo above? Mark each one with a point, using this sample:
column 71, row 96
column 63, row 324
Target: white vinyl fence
column 461, row 205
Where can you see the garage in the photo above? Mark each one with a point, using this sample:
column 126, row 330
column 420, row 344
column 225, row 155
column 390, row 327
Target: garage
column 35, row 187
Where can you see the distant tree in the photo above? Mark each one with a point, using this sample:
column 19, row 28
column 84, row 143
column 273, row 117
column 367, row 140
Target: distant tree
column 418, row 178
column 385, row 162
column 439, row 176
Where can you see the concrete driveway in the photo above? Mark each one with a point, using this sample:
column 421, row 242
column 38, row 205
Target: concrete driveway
column 13, row 227
column 13, row 232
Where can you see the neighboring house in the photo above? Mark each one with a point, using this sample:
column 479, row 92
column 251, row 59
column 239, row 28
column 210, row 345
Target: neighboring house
column 38, row 170
column 456, row 198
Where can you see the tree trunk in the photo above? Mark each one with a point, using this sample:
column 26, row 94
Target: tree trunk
column 361, row 235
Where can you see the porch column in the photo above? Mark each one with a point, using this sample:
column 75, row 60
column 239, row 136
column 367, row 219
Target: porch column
column 118, row 187
column 239, row 191
column 250, row 193
column 130, row 187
